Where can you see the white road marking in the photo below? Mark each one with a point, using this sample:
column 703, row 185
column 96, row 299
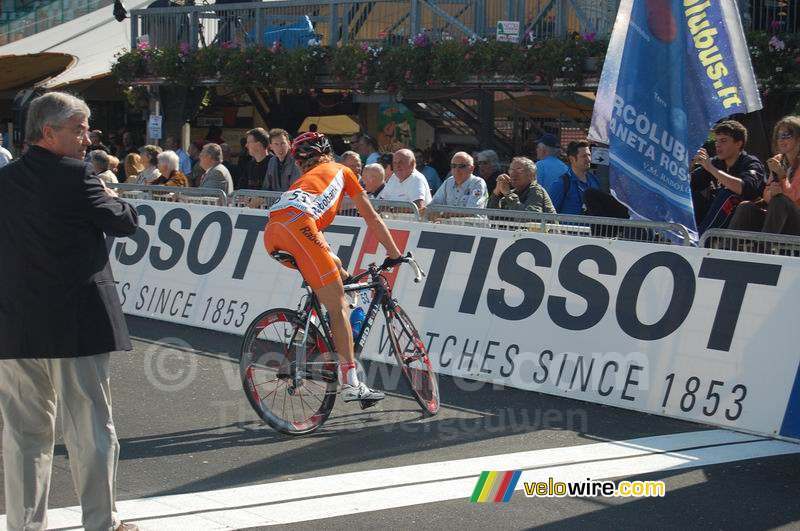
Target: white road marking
column 336, row 495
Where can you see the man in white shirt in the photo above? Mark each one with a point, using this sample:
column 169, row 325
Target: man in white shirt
column 5, row 155
column 407, row 184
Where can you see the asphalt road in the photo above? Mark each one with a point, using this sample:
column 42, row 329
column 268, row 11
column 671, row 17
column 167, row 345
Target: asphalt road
column 186, row 428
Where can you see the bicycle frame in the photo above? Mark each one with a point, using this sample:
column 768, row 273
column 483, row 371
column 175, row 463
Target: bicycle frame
column 381, row 300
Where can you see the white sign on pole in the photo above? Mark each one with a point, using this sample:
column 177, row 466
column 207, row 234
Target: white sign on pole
column 154, row 126
column 695, row 334
column 600, row 156
column 508, row 31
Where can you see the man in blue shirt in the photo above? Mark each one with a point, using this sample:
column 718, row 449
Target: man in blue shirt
column 567, row 194
column 548, row 166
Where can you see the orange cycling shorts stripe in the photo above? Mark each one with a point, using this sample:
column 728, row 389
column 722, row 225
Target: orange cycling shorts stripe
column 296, row 233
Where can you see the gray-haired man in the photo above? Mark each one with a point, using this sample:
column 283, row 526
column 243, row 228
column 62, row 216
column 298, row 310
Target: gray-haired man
column 54, row 215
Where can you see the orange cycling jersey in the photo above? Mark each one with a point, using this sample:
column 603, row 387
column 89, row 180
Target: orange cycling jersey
column 297, row 219
column 318, row 192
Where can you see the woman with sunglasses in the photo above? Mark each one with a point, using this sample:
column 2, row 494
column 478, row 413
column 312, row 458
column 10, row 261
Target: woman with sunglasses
column 779, row 213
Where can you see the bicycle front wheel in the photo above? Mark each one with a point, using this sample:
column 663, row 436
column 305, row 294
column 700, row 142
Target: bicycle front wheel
column 413, row 360
column 291, row 402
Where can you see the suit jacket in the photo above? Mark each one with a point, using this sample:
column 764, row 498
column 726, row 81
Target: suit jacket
column 217, row 177
column 58, row 298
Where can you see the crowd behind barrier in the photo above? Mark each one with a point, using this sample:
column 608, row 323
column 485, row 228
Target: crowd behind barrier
column 557, row 194
column 544, row 223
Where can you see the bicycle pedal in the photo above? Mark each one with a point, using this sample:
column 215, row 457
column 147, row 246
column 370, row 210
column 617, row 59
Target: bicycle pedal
column 366, row 404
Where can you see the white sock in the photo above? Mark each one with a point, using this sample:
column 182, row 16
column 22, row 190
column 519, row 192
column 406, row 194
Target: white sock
column 350, row 374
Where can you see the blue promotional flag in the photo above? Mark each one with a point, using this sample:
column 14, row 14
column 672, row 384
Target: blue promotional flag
column 673, row 69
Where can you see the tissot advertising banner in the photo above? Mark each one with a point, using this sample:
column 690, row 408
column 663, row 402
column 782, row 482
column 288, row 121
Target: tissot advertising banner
column 691, row 333
column 673, row 69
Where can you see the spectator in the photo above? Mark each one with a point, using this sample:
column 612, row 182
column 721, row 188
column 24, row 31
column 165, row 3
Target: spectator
column 133, row 167
column 113, row 165
column 462, row 188
column 430, row 173
column 489, row 166
column 216, row 174
column 352, row 160
column 150, row 172
column 366, row 146
column 214, row 135
column 5, row 155
column 374, row 179
column 169, row 167
column 386, row 160
column 96, row 139
column 197, row 169
column 549, row 167
column 719, row 183
column 245, row 157
column 171, row 144
column 779, row 213
column 102, row 166
column 520, row 190
column 407, row 184
column 255, row 173
column 128, row 144
column 56, row 265
column 233, row 169
column 567, row 192
column 281, row 169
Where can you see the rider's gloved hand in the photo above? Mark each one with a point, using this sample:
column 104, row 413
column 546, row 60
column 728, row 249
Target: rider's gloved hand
column 391, row 262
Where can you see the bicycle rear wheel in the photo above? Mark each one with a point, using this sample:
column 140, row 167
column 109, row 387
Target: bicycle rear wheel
column 413, row 360
column 268, row 363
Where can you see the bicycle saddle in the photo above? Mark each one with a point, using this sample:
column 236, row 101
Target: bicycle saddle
column 284, row 258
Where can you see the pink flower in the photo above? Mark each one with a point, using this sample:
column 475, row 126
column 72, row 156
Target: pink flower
column 421, row 40
column 775, row 25
column 775, row 44
column 144, row 45
column 185, row 48
column 589, row 37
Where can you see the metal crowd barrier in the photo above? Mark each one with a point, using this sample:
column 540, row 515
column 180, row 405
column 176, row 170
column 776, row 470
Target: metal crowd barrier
column 405, row 210
column 200, row 196
column 751, row 242
column 597, row 227
column 509, row 220
column 387, row 209
column 262, row 199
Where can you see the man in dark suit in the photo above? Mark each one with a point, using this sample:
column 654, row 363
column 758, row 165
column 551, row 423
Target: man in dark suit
column 60, row 317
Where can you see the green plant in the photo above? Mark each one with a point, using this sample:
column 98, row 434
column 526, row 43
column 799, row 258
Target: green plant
column 418, row 62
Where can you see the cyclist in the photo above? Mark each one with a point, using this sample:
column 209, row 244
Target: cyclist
column 295, row 226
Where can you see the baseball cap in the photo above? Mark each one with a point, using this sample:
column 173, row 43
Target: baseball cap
column 549, row 140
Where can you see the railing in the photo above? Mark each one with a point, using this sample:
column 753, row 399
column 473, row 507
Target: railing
column 590, row 226
column 751, row 242
column 509, row 220
column 47, row 16
column 263, row 199
column 203, row 196
column 341, row 21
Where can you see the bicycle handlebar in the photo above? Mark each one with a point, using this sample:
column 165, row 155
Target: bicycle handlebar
column 418, row 272
column 407, row 259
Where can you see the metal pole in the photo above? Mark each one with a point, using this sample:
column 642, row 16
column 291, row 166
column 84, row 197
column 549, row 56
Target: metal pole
column 134, row 31
column 333, row 23
column 415, row 25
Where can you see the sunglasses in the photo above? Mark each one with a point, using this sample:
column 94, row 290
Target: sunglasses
column 459, row 166
column 785, row 136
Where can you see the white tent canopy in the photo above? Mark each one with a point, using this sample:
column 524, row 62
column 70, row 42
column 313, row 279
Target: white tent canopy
column 93, row 40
